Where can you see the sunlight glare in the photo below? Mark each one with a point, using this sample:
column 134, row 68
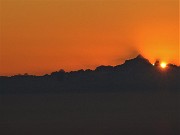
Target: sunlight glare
column 163, row 65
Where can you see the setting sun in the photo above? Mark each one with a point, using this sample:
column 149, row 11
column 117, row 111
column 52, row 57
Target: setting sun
column 163, row 65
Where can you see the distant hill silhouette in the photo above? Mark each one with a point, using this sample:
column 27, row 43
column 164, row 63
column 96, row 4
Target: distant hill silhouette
column 136, row 74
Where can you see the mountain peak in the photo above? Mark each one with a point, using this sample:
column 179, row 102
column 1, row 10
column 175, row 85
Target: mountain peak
column 138, row 61
column 139, row 57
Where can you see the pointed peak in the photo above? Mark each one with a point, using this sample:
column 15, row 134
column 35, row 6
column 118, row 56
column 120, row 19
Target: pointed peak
column 140, row 57
column 139, row 60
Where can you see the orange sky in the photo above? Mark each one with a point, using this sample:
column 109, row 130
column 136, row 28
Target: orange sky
column 41, row 36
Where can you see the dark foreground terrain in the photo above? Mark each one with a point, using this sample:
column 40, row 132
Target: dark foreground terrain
column 135, row 98
column 91, row 114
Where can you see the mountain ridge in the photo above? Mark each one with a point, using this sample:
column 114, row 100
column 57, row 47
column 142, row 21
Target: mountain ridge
column 138, row 62
column 136, row 74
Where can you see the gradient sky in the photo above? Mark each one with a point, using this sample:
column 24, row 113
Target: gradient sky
column 41, row 36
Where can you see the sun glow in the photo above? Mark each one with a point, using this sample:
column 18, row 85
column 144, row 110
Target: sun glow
column 163, row 65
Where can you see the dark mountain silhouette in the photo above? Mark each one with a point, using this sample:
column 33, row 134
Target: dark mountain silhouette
column 136, row 74
column 129, row 99
column 137, row 62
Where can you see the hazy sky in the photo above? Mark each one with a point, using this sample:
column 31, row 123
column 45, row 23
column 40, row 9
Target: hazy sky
column 40, row 36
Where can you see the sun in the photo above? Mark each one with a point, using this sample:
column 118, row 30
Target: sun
column 163, row 65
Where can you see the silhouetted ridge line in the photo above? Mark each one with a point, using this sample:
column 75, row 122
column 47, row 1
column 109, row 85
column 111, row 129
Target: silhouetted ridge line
column 134, row 63
column 136, row 74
